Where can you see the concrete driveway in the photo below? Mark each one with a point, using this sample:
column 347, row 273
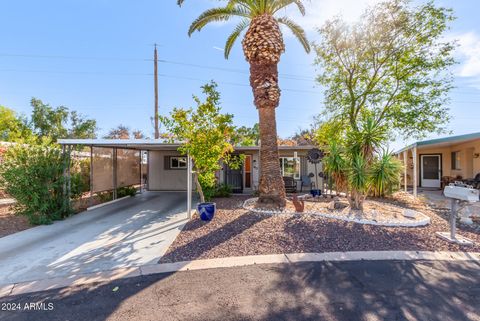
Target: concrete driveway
column 132, row 232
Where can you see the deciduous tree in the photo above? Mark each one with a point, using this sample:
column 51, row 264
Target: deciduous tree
column 207, row 136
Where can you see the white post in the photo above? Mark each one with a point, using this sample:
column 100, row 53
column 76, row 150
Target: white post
column 405, row 165
column 415, row 172
column 189, row 187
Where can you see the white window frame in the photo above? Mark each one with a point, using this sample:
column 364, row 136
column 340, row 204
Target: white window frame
column 296, row 175
column 180, row 159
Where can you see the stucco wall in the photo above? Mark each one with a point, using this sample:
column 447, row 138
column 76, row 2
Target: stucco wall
column 161, row 179
column 469, row 165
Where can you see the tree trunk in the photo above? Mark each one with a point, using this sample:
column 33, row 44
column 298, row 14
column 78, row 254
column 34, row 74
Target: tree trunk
column 264, row 79
column 199, row 188
column 272, row 187
column 263, row 46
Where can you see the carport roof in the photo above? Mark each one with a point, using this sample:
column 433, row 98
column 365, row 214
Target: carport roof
column 152, row 144
column 443, row 142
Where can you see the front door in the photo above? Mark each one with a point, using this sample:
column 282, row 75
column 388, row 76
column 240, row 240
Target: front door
column 234, row 178
column 247, row 173
column 431, row 171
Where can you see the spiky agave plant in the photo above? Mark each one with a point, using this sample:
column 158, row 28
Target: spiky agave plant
column 263, row 46
column 384, row 175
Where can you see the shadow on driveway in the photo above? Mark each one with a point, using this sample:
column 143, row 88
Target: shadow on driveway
column 131, row 232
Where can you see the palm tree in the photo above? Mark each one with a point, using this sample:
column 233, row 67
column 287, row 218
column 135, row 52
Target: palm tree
column 262, row 45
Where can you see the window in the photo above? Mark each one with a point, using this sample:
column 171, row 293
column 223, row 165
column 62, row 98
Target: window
column 290, row 167
column 456, row 160
column 178, row 162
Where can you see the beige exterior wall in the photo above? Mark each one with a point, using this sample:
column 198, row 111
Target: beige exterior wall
column 469, row 163
column 161, row 179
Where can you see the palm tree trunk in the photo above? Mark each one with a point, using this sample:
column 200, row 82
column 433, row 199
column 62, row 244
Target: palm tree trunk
column 264, row 82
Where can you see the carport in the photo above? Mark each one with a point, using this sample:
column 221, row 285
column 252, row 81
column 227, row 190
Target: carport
column 116, row 163
column 135, row 231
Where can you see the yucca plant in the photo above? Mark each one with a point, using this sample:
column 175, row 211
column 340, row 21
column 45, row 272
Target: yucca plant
column 384, row 175
column 335, row 165
column 262, row 46
column 368, row 138
column 357, row 180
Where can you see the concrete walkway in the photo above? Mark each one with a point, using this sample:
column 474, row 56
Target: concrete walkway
column 132, row 232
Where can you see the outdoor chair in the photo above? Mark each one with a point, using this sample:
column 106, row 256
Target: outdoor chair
column 474, row 182
column 290, row 184
column 306, row 181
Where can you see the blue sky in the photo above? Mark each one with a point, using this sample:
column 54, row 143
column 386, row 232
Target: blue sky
column 94, row 56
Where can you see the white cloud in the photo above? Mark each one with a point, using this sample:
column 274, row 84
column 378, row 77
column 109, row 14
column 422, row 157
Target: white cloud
column 469, row 54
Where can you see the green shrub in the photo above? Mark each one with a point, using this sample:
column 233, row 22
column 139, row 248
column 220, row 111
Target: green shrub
column 105, row 196
column 33, row 175
column 126, row 191
column 223, row 190
column 384, row 175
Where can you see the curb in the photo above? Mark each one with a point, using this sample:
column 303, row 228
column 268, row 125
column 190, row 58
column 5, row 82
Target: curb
column 122, row 273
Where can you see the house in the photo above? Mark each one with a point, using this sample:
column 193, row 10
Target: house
column 432, row 163
column 160, row 167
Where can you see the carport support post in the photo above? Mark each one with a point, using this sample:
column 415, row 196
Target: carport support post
column 415, row 172
column 405, row 164
column 64, row 171
column 189, row 187
column 114, row 170
column 91, row 175
column 69, row 174
column 141, row 173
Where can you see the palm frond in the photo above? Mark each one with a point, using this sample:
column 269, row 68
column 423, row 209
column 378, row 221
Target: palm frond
column 280, row 4
column 234, row 36
column 216, row 14
column 297, row 31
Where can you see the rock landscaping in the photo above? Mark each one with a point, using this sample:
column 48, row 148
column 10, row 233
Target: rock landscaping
column 374, row 213
column 236, row 231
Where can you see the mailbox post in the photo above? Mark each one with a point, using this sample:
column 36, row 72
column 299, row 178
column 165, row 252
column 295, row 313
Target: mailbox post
column 459, row 194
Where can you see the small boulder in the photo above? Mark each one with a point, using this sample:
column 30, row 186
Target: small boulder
column 337, row 205
column 410, row 213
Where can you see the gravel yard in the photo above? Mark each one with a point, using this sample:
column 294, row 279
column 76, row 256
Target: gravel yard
column 11, row 223
column 375, row 212
column 236, row 232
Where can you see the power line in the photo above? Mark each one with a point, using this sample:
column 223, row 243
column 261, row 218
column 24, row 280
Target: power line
column 172, row 62
column 178, row 63
column 148, row 74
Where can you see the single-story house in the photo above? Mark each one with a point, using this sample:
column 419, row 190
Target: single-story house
column 433, row 163
column 159, row 166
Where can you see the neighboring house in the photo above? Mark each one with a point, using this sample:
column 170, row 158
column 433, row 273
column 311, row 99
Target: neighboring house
column 433, row 163
column 167, row 169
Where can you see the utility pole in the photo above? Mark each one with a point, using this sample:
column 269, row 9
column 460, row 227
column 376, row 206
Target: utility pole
column 155, row 63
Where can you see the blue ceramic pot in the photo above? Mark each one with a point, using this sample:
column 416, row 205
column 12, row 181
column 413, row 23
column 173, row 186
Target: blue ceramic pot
column 206, row 211
column 315, row 192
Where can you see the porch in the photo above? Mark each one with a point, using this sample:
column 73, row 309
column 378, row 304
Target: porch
column 434, row 163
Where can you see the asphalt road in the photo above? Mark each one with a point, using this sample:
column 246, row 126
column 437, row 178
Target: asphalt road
column 393, row 290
